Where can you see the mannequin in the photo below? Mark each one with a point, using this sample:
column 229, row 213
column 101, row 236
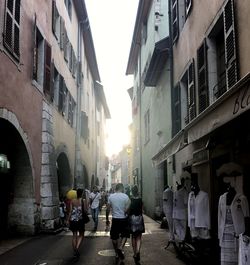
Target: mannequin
column 233, row 209
column 198, row 212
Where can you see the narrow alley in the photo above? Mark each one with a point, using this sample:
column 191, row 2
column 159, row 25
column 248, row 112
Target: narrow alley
column 96, row 249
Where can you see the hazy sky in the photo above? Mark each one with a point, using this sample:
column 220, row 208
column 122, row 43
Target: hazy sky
column 112, row 24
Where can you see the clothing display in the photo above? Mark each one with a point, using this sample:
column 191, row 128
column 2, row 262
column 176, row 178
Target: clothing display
column 168, row 209
column 231, row 223
column 244, row 250
column 199, row 215
column 180, row 201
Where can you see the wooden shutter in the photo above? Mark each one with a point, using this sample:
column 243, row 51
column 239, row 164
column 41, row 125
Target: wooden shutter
column 52, row 81
column 202, row 77
column 176, row 109
column 62, row 33
column 65, row 93
column 11, row 38
column 175, row 20
column 60, row 103
column 54, row 17
column 35, row 51
column 47, row 67
column 188, row 4
column 191, row 92
column 230, row 44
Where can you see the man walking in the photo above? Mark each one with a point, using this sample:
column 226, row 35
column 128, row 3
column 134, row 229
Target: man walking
column 119, row 203
column 94, row 205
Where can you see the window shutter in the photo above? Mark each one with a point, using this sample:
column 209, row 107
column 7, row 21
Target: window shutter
column 62, row 33
column 65, row 46
column 35, row 51
column 230, row 44
column 11, row 38
column 65, row 92
column 191, row 92
column 54, row 17
column 79, row 73
column 47, row 67
column 60, row 103
column 175, row 20
column 202, row 77
column 176, row 109
column 188, row 4
column 52, row 81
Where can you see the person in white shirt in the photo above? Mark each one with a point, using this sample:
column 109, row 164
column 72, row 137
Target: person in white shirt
column 95, row 197
column 119, row 203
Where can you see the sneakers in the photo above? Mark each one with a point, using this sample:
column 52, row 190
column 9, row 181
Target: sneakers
column 120, row 254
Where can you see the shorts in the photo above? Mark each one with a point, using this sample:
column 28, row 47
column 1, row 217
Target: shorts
column 119, row 228
column 76, row 226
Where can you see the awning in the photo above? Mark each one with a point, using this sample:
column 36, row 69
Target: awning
column 169, row 149
column 157, row 62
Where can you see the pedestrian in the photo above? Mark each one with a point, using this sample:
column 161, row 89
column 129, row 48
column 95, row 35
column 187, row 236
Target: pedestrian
column 75, row 221
column 137, row 226
column 62, row 209
column 119, row 203
column 168, row 210
column 95, row 197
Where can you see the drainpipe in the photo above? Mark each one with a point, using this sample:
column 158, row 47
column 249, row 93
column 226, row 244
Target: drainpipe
column 171, row 64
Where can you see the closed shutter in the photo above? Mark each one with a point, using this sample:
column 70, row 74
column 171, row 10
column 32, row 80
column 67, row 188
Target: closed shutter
column 35, row 51
column 202, row 77
column 79, row 73
column 175, row 20
column 230, row 44
column 191, row 92
column 47, row 67
column 176, row 109
column 12, row 27
column 54, row 17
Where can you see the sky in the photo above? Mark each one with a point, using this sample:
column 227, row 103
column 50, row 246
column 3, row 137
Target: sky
column 112, row 25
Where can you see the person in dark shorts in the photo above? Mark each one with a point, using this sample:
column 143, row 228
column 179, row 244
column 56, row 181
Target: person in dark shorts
column 137, row 226
column 119, row 203
column 75, row 221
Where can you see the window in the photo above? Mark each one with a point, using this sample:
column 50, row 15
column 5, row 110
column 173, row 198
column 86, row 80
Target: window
column 175, row 20
column 188, row 94
column 56, row 78
column 63, row 92
column 71, row 110
column 188, row 6
column 202, row 77
column 147, row 126
column 68, row 4
column 221, row 59
column 84, row 126
column 11, row 38
column 144, row 32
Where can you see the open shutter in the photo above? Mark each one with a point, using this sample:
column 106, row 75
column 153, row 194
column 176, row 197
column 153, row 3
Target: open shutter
column 175, row 20
column 60, row 103
column 62, row 33
column 52, row 81
column 191, row 92
column 230, row 44
column 65, row 92
column 202, row 77
column 47, row 67
column 35, row 51
column 54, row 17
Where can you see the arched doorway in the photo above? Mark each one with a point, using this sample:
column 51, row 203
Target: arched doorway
column 63, row 174
column 16, row 184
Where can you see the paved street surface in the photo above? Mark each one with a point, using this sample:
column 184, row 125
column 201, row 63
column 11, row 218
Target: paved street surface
column 96, row 248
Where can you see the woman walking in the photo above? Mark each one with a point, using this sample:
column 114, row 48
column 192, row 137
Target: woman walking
column 75, row 221
column 136, row 223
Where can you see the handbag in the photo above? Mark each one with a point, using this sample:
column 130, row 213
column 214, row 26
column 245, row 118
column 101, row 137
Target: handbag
column 137, row 223
column 85, row 216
